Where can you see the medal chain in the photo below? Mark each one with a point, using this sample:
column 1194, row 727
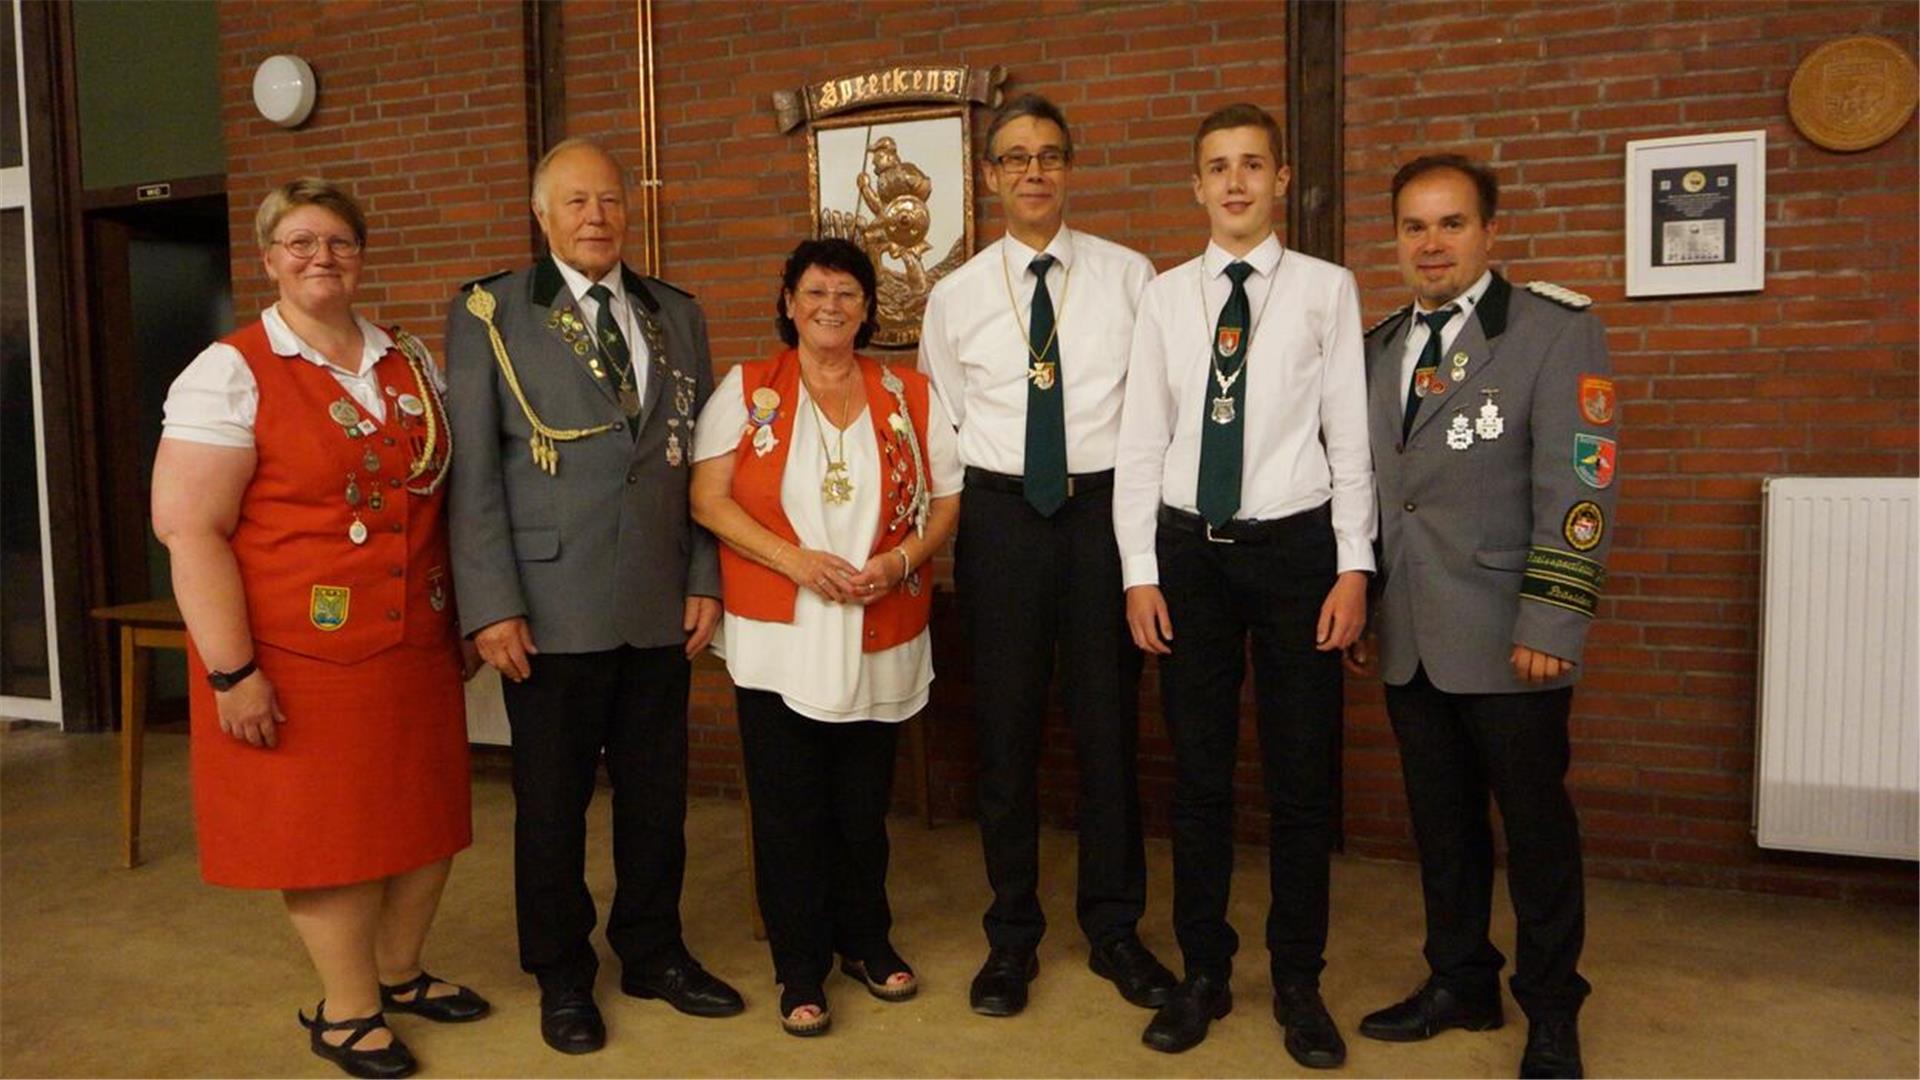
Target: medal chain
column 1066, row 282
column 839, row 466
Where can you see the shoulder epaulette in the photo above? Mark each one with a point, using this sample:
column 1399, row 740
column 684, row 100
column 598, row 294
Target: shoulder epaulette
column 408, row 343
column 1565, row 297
column 483, row 279
column 1387, row 318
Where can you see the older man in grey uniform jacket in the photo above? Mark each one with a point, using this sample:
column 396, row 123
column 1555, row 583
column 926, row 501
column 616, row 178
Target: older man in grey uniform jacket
column 581, row 578
column 1491, row 410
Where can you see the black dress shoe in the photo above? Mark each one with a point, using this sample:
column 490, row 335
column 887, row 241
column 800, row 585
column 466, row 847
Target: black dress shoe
column 570, row 1021
column 1128, row 963
column 390, row 1061
column 685, row 985
column 1001, row 987
column 1553, row 1049
column 1431, row 1010
column 458, row 1007
column 1312, row 1038
column 1182, row 1022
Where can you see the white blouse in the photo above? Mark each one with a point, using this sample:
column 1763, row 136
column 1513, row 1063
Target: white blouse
column 816, row 663
column 215, row 399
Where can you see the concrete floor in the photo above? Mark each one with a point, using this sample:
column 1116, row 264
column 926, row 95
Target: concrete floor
column 109, row 972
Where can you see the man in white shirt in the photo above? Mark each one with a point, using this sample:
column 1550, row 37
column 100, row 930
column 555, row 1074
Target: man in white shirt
column 1244, row 507
column 1026, row 345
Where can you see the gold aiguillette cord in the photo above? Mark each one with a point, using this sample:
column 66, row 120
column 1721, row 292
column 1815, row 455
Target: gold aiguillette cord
column 546, row 455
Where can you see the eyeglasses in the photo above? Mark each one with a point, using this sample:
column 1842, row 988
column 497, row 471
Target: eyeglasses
column 1016, row 161
column 842, row 297
column 307, row 245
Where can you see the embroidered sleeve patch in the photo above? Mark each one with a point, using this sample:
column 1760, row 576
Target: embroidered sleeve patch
column 1585, row 524
column 1593, row 459
column 1597, row 399
column 1563, row 579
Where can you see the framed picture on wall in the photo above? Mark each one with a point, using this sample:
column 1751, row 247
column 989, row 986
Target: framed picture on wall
column 1696, row 214
column 899, row 184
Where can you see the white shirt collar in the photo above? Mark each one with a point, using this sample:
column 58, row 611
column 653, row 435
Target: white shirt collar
column 284, row 342
column 577, row 282
column 1263, row 258
column 1018, row 255
column 1468, row 300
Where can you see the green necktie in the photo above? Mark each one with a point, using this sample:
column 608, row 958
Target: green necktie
column 1226, row 404
column 1429, row 362
column 1046, row 453
column 613, row 345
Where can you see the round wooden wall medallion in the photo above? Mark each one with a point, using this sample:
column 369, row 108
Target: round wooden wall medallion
column 1853, row 93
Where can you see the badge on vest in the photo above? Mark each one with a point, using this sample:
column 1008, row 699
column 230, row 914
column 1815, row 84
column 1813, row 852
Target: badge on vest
column 437, row 588
column 1593, row 459
column 764, row 410
column 328, row 608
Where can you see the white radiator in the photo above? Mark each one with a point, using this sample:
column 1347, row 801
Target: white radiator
column 1839, row 693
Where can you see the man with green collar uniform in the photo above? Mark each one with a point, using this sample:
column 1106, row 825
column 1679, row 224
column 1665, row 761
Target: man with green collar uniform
column 1492, row 414
column 582, row 579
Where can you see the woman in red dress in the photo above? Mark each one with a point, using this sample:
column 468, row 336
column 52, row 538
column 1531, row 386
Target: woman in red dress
column 298, row 491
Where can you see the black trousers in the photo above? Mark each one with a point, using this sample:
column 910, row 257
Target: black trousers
column 820, row 793
column 629, row 706
column 1454, row 749
column 1033, row 586
column 1218, row 596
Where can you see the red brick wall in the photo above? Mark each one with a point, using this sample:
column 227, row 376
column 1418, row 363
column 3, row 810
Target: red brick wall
column 423, row 110
column 1813, row 376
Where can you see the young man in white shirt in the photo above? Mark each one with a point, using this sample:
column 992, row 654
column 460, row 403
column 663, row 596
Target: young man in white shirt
column 1244, row 507
column 1026, row 345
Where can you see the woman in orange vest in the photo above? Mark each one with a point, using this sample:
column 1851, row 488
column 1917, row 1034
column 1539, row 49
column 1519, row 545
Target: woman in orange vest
column 831, row 480
column 298, row 490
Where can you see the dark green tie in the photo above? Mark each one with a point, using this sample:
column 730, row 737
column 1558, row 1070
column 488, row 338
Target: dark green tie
column 1429, row 361
column 1222, row 423
column 613, row 345
column 1046, row 453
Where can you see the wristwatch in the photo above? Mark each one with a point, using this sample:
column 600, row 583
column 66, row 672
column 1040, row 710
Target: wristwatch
column 227, row 680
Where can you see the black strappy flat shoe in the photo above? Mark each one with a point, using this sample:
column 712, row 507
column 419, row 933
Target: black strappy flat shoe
column 386, row 1063
column 456, row 1008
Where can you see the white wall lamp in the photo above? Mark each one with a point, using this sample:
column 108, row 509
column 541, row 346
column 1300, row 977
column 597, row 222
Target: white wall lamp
column 284, row 89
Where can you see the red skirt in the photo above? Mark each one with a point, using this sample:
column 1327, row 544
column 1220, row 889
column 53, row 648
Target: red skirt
column 369, row 780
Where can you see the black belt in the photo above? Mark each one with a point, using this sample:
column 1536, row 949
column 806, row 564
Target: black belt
column 1243, row 531
column 1085, row 483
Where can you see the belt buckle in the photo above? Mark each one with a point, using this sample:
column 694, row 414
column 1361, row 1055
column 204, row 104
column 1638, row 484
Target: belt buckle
column 1212, row 539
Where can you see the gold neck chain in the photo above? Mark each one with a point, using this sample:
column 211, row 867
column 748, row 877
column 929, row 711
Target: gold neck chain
column 1066, row 282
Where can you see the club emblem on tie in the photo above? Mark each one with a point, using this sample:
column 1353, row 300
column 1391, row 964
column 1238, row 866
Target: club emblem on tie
column 1227, row 341
column 1042, row 375
column 1427, row 382
column 1223, row 410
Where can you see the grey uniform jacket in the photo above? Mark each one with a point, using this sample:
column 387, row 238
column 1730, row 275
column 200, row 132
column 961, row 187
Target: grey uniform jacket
column 602, row 552
column 1491, row 542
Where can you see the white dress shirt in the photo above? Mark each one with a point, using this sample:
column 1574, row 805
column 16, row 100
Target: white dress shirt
column 816, row 663
column 1305, row 427
column 973, row 346
column 215, row 399
column 577, row 284
column 1418, row 333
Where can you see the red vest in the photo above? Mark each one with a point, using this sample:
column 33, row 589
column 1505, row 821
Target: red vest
column 310, row 589
column 754, row 591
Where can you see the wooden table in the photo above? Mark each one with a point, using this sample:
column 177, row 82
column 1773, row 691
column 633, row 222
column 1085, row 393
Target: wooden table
column 144, row 626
